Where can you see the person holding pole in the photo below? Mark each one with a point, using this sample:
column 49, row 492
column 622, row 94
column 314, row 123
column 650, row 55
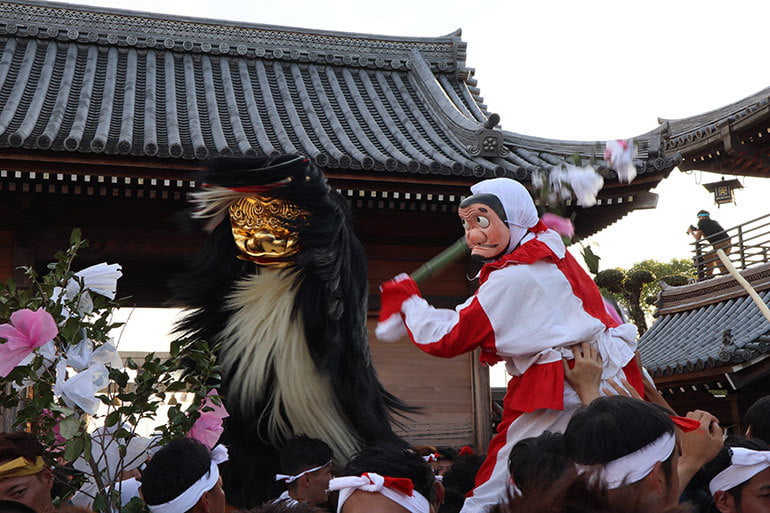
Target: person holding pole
column 716, row 236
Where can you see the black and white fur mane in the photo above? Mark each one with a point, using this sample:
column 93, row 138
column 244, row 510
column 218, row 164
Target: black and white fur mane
column 292, row 341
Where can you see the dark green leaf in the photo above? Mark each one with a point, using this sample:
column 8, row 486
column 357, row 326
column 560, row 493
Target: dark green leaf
column 100, row 503
column 112, row 418
column 69, row 426
column 74, row 448
column 75, row 237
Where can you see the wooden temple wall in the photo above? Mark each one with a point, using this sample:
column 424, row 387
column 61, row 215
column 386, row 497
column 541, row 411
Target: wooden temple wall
column 453, row 394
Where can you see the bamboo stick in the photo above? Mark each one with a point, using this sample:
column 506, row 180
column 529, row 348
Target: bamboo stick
column 438, row 263
column 745, row 284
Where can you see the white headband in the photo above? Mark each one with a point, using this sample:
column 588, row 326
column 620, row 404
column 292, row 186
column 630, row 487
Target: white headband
column 635, row 466
column 188, row 498
column 375, row 483
column 744, row 464
column 290, row 479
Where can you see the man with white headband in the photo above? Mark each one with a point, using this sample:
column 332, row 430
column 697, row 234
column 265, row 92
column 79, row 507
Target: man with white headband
column 534, row 302
column 739, row 477
column 184, row 476
column 626, row 443
column 307, row 465
column 386, row 479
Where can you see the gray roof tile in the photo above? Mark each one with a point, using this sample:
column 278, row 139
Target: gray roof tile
column 694, row 339
column 115, row 82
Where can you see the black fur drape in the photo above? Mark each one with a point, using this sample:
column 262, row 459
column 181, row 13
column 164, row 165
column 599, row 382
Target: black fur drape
column 331, row 285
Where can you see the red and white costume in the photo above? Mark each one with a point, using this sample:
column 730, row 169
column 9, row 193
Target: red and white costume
column 531, row 305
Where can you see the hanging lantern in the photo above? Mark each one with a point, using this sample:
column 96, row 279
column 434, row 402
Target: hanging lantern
column 723, row 190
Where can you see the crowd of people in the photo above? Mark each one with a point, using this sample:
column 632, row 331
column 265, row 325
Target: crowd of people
column 618, row 453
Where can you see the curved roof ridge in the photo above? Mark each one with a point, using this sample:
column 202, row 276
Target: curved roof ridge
column 693, row 122
column 564, row 147
column 127, row 28
column 451, row 115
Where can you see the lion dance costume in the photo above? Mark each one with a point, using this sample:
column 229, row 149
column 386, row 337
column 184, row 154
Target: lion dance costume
column 533, row 302
column 281, row 287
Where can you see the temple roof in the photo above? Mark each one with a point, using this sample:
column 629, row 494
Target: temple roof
column 708, row 325
column 732, row 139
column 127, row 85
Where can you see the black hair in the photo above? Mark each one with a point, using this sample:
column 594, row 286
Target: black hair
column 453, row 501
column 581, row 494
column 538, row 461
column 612, row 427
column 14, row 507
column 286, row 507
column 17, row 444
column 461, row 475
column 447, row 453
column 173, row 469
column 723, row 460
column 392, row 460
column 489, row 200
column 758, row 419
column 302, row 452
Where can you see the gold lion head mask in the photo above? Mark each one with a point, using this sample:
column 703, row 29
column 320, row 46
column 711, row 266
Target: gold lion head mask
column 265, row 229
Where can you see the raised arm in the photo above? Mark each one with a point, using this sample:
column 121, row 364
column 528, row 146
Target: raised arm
column 437, row 331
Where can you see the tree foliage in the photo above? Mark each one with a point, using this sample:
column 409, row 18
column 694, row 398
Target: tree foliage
column 637, row 288
column 125, row 396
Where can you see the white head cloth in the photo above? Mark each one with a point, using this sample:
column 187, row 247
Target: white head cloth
column 517, row 203
column 744, row 464
column 375, row 483
column 190, row 497
column 290, row 479
column 635, row 466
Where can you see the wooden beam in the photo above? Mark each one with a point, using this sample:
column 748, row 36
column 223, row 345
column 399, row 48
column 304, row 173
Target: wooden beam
column 482, row 403
column 689, row 378
column 748, row 375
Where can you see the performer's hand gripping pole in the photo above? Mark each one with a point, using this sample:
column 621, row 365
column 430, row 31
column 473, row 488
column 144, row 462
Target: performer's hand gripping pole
column 440, row 262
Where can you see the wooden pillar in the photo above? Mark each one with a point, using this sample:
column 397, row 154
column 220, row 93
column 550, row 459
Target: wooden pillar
column 482, row 403
column 735, row 419
column 7, row 260
column 24, row 241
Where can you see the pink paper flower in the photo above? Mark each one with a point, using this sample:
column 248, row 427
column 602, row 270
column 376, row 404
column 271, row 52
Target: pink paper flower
column 27, row 331
column 610, row 308
column 559, row 224
column 620, row 156
column 208, row 428
column 59, row 441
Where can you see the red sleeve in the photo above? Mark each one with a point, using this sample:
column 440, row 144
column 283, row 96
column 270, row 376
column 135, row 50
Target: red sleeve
column 448, row 333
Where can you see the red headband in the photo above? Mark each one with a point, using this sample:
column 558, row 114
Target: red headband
column 466, row 449
column 401, row 484
column 685, row 424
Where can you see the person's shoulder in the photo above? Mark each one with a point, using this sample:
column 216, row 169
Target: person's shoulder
column 522, row 271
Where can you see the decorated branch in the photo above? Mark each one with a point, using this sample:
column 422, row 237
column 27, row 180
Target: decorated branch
column 60, row 368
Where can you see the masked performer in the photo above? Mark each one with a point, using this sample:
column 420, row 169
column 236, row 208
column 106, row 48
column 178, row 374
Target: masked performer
column 533, row 302
column 281, row 286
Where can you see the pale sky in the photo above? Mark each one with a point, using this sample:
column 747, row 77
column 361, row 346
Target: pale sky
column 588, row 70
